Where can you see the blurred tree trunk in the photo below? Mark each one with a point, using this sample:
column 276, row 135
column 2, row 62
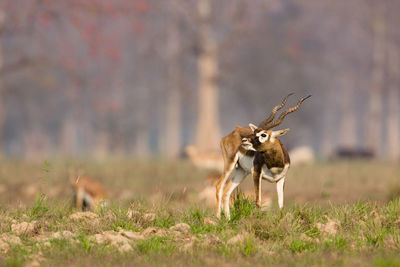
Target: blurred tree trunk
column 143, row 122
column 100, row 145
column 392, row 119
column 2, row 110
column 326, row 145
column 348, row 136
column 374, row 118
column 37, row 144
column 69, row 131
column 114, row 125
column 172, row 134
column 208, row 129
column 69, row 137
column 141, row 146
column 348, row 133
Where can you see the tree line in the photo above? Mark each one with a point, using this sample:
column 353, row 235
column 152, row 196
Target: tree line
column 146, row 77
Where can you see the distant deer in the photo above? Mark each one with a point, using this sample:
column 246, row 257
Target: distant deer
column 255, row 150
column 88, row 193
column 207, row 160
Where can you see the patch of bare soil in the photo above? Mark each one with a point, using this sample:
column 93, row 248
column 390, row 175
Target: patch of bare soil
column 121, row 240
column 83, row 215
column 4, row 246
column 8, row 240
column 149, row 217
column 63, row 234
column 331, row 227
column 26, row 228
column 209, row 221
column 45, row 238
column 87, row 217
column 154, row 231
column 11, row 239
column 239, row 238
column 131, row 235
column 181, row 227
column 35, row 260
column 209, row 239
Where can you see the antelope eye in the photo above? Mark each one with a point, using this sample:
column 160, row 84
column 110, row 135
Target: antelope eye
column 263, row 135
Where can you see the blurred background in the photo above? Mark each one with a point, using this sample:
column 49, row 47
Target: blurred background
column 145, row 77
column 105, row 85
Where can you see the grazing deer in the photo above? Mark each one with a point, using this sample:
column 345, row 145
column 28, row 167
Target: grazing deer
column 255, row 150
column 88, row 193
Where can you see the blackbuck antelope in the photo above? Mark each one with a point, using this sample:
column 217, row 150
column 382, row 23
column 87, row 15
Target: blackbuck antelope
column 255, row 150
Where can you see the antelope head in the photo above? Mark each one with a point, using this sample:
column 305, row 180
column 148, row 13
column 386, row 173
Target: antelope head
column 263, row 137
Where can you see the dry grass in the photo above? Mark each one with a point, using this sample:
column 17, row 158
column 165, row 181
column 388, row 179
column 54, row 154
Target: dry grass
column 336, row 214
column 179, row 182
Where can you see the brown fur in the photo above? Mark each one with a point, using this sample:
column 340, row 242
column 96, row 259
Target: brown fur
column 230, row 145
column 269, row 154
column 273, row 156
column 91, row 187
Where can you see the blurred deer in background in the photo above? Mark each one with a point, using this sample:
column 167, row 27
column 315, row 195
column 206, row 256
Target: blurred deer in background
column 255, row 150
column 88, row 193
column 208, row 160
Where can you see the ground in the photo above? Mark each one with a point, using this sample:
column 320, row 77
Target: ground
column 336, row 213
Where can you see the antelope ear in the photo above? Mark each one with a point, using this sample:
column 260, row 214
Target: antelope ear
column 252, row 127
column 280, row 132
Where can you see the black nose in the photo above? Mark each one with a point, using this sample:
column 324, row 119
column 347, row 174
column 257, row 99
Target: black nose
column 255, row 141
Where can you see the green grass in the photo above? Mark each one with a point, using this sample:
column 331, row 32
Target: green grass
column 248, row 247
column 367, row 230
column 242, row 207
column 40, row 207
column 164, row 245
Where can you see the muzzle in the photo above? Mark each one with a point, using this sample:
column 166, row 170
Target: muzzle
column 246, row 144
column 255, row 142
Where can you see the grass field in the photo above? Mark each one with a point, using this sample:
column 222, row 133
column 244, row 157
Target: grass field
column 336, row 213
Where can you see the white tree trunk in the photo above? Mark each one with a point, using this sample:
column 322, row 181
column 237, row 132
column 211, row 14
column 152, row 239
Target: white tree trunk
column 208, row 129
